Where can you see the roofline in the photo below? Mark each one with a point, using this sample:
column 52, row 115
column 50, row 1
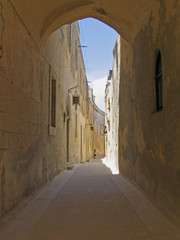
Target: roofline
column 99, row 110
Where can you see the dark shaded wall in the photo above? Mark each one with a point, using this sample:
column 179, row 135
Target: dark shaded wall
column 150, row 140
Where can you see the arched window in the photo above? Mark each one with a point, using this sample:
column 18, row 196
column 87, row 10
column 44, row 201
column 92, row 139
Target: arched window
column 158, row 83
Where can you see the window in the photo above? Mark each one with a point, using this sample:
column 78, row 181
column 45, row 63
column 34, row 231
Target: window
column 53, row 103
column 158, row 83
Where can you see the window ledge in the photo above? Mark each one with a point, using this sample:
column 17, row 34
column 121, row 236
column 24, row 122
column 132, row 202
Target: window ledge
column 52, row 131
column 157, row 111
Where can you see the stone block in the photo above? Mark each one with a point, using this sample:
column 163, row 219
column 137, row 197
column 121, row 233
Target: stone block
column 2, row 121
column 6, row 140
column 3, row 103
column 14, row 107
column 13, row 124
column 14, row 142
column 3, row 140
column 1, row 155
column 4, row 86
column 33, row 128
column 25, row 142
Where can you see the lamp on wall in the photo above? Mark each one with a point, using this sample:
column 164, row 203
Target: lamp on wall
column 91, row 126
column 75, row 97
column 82, row 46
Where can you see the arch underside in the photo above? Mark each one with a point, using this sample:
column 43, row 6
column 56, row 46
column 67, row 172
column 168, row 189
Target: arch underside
column 43, row 17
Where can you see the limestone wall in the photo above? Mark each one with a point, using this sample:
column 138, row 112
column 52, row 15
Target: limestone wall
column 33, row 132
column 90, row 125
column 99, row 138
column 149, row 139
column 112, row 113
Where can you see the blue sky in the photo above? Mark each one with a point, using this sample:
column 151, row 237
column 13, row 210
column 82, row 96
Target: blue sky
column 98, row 55
column 100, row 40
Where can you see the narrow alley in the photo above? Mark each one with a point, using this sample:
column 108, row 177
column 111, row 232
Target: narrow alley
column 50, row 119
column 86, row 203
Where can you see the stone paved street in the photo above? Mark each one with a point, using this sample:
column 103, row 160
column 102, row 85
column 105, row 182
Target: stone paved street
column 88, row 203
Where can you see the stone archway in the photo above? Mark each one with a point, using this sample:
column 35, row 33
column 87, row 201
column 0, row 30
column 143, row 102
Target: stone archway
column 43, row 17
column 149, row 139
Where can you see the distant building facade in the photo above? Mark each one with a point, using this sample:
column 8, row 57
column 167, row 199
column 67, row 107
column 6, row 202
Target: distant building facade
column 112, row 112
column 99, row 137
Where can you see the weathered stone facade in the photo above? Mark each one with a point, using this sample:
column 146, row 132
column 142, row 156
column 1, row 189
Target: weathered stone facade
column 95, row 129
column 99, row 138
column 149, row 138
column 112, row 112
column 40, row 130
